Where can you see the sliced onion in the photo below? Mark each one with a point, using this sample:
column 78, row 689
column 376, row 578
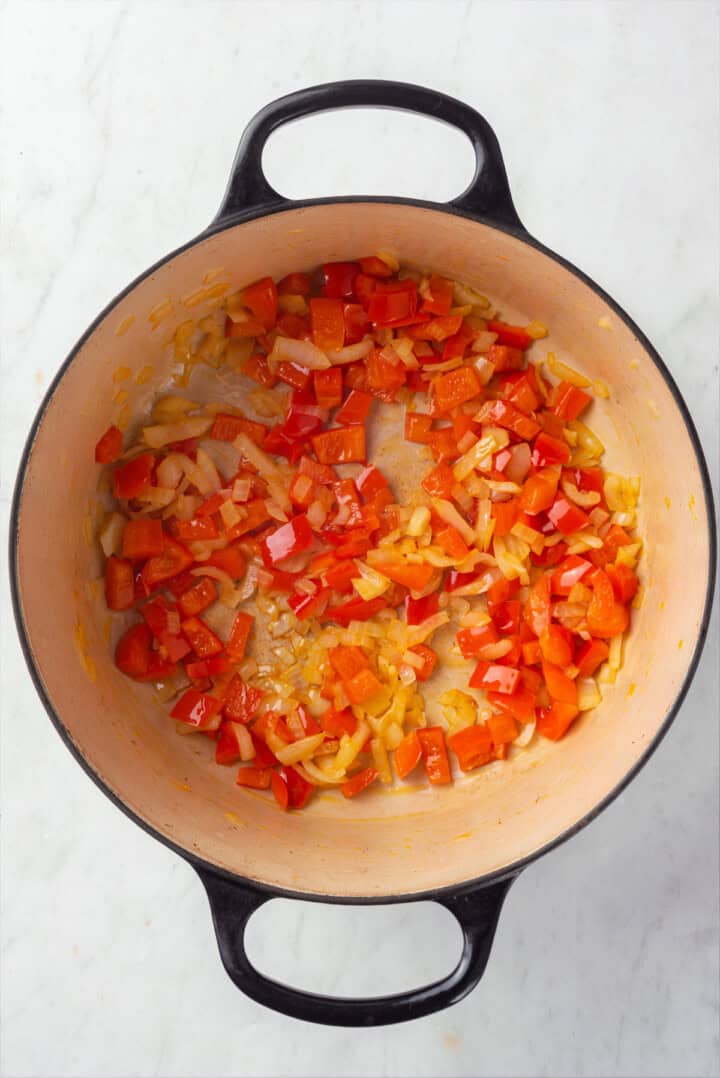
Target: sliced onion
column 519, row 464
column 447, row 512
column 305, row 353
column 352, row 352
column 525, row 736
column 300, row 750
column 111, row 534
column 165, row 433
column 170, row 471
column 316, row 514
column 224, row 456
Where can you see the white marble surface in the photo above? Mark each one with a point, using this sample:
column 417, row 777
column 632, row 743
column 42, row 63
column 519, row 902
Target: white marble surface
column 119, row 123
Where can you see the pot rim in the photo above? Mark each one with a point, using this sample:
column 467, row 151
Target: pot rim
column 465, row 886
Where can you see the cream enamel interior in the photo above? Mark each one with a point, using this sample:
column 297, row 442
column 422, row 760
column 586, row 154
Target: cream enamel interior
column 418, row 838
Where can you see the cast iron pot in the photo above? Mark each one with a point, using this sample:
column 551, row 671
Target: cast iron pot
column 461, row 846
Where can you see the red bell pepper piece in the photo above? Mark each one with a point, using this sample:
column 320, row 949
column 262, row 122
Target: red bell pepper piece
column 327, row 323
column 288, row 539
column 199, row 528
column 371, row 482
column 539, row 490
column 293, row 374
column 243, row 328
column 435, row 757
column 553, row 722
column 306, row 606
column 201, row 638
column 241, row 701
column 339, row 279
column 357, row 323
column 340, row 446
column 503, row 728
column 375, row 267
column 109, row 447
column 207, row 668
column 407, row 755
column 452, row 542
column 429, row 659
column 568, row 402
column 505, row 358
column 606, row 617
column 472, row 746
column 175, row 558
column 132, row 654
column 437, row 329
column 227, row 746
column 261, row 298
column 299, row 790
column 355, row 610
column 536, row 611
column 393, row 303
column 440, row 482
column 556, row 645
column 294, row 284
column 337, row 723
column 134, row 477
column 624, row 581
column 416, row 577
column 356, row 408
column 119, row 584
column 418, row 427
column 383, row 377
column 471, row 641
column 226, row 428
column 361, row 686
column 328, row 386
column 339, row 576
column 239, row 636
column 590, row 655
column 359, row 782
column 558, row 684
column 506, row 616
column 455, row 388
column 493, row 676
column 196, row 709
column 514, row 336
column 520, row 704
column 256, row 367
column 505, row 515
column 566, row 516
column 503, row 414
column 419, row 610
column 257, row 778
column 549, row 451
column 569, row 572
column 438, row 295
column 230, row 559
column 163, row 621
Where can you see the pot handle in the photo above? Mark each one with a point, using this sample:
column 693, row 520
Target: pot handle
column 232, row 905
column 488, row 195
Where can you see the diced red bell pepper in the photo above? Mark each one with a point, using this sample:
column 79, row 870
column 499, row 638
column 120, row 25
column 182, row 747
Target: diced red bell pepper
column 295, row 375
column 455, row 388
column 566, row 516
column 257, row 778
column 550, row 555
column 355, row 409
column 340, row 446
column 407, row 755
column 361, row 686
column 429, row 660
column 556, row 645
column 207, row 668
column 279, row 788
column 503, row 414
column 375, row 267
column 569, row 572
column 505, row 515
column 590, row 655
column 299, row 790
column 261, row 298
column 472, row 746
column 471, row 641
column 306, row 606
column 198, row 528
column 495, row 677
column 294, row 284
column 230, row 559
column 371, row 482
column 175, row 558
column 256, row 514
column 132, row 654
column 418, row 427
column 347, row 660
column 520, row 392
column 337, row 723
column 513, row 336
column 452, row 542
column 134, row 477
column 553, row 722
column 339, row 577
column 393, row 303
column 383, row 377
column 257, row 368
column 119, row 584
column 437, row 329
column 549, row 451
column 339, row 279
column 536, row 611
column 531, row 654
column 196, row 709
column 239, row 636
column 241, row 701
column 506, row 616
column 359, row 782
column 328, row 386
column 109, row 447
column 365, row 286
column 240, row 328
column 227, row 746
column 438, row 295
column 226, row 428
column 539, row 490
column 606, row 617
column 505, row 358
column 520, row 704
column 415, row 576
column 327, row 324
column 558, row 684
column 503, row 728
column 419, row 610
column 163, row 621
column 435, row 757
column 288, row 539
column 440, row 482
column 357, row 323
column 355, row 610
column 568, row 402
column 201, row 638
column 624, row 581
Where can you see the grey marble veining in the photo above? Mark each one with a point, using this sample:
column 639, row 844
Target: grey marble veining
column 119, row 123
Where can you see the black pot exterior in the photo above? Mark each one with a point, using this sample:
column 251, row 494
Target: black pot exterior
column 475, row 904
